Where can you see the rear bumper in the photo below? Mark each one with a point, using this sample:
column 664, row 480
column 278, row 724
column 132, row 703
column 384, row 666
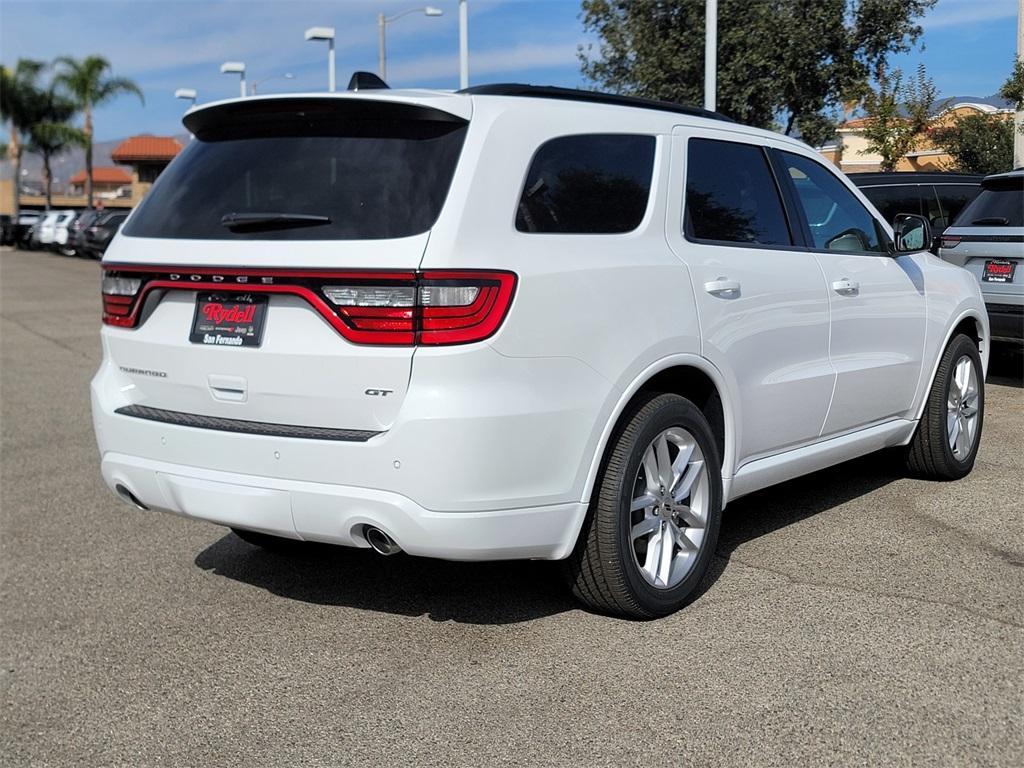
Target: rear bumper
column 1006, row 321
column 340, row 514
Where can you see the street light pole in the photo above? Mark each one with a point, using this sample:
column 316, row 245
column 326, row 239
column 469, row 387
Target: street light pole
column 188, row 94
column 711, row 54
column 382, row 23
column 325, row 33
column 463, row 45
column 1018, row 118
column 235, row 68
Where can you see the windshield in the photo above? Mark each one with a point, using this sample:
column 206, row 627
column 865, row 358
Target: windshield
column 999, row 204
column 306, row 169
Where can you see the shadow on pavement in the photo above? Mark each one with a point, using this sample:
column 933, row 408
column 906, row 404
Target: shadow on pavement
column 511, row 591
column 1006, row 366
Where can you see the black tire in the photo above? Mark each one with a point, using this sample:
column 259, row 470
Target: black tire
column 601, row 571
column 929, row 454
column 267, row 541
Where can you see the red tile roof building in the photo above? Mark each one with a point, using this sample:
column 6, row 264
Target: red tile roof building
column 141, row 149
column 103, row 176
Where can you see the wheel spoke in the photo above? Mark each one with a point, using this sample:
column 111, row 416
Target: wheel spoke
column 689, row 539
column 692, row 519
column 686, row 450
column 650, row 566
column 646, row 527
column 963, row 376
column 682, row 489
column 642, row 502
column 651, row 470
column 668, row 541
column 664, row 462
column 953, row 423
column 963, row 444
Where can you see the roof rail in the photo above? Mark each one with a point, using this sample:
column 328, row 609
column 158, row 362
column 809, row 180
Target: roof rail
column 595, row 97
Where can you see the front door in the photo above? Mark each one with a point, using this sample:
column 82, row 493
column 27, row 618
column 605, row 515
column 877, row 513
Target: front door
column 761, row 301
column 878, row 301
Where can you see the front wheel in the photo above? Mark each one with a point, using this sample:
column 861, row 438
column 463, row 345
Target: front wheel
column 945, row 444
column 653, row 525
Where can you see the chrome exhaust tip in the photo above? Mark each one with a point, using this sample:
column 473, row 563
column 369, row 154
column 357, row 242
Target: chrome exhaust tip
column 381, row 543
column 130, row 497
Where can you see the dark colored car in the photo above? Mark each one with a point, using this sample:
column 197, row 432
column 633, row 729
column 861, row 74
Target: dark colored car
column 6, row 230
column 76, row 232
column 23, row 228
column 939, row 197
column 100, row 233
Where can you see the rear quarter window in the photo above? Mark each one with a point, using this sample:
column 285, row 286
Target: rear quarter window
column 999, row 204
column 587, row 184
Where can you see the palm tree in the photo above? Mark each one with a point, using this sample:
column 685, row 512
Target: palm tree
column 52, row 134
column 89, row 83
column 20, row 105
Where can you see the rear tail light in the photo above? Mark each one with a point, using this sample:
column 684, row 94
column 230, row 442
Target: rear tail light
column 949, row 241
column 119, row 299
column 394, row 308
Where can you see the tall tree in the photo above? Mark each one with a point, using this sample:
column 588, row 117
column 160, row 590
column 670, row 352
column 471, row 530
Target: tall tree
column 90, row 84
column 21, row 100
column 52, row 134
column 794, row 59
column 899, row 112
column 978, row 143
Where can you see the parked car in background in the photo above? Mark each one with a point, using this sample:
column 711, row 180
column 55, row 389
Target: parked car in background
column 76, row 232
column 46, row 233
column 23, row 228
column 937, row 196
column 99, row 234
column 61, row 230
column 987, row 239
column 518, row 322
column 6, row 230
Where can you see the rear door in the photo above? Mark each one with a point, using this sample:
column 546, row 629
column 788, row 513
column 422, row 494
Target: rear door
column 762, row 301
column 268, row 274
column 877, row 301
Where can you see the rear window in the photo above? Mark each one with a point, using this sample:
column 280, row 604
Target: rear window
column 999, row 204
column 306, row 169
column 587, row 184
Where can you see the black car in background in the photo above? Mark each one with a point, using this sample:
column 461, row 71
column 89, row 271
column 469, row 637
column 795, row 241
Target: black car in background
column 937, row 196
column 6, row 230
column 98, row 235
column 76, row 232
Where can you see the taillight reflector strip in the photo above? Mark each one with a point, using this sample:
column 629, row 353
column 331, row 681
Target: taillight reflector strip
column 397, row 308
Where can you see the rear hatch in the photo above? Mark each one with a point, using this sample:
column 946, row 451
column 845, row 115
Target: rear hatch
column 987, row 237
column 268, row 275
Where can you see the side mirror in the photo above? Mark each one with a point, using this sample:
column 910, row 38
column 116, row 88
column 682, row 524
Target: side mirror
column 913, row 233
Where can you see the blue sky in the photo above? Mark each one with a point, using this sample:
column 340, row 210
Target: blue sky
column 169, row 44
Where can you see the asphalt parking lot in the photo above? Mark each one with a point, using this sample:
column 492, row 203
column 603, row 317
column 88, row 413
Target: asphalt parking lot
column 852, row 617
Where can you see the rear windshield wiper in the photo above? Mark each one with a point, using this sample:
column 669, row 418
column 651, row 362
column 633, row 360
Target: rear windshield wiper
column 998, row 221
column 272, row 220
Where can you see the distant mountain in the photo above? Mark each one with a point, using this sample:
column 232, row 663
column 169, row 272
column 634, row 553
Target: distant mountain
column 67, row 165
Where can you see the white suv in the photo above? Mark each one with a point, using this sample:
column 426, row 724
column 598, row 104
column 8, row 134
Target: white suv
column 517, row 322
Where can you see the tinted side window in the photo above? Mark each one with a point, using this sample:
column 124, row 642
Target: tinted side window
column 836, row 219
column 731, row 195
column 953, row 198
column 587, row 184
column 903, row 198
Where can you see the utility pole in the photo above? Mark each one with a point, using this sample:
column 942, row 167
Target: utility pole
column 464, row 45
column 711, row 54
column 1018, row 118
column 382, row 61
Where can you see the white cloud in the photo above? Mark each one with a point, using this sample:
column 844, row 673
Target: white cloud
column 953, row 13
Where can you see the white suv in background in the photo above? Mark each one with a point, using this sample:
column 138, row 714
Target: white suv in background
column 517, row 322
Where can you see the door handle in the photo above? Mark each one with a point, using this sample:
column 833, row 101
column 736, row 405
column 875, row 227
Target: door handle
column 722, row 286
column 846, row 286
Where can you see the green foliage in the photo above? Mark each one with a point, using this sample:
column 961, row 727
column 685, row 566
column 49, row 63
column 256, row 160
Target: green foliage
column 898, row 115
column 979, row 143
column 1013, row 89
column 796, row 58
column 21, row 105
column 89, row 84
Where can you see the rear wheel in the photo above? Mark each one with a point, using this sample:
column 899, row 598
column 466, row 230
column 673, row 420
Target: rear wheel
column 653, row 525
column 945, row 444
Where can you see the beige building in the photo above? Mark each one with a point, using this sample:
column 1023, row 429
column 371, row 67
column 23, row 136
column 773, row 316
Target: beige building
column 850, row 150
